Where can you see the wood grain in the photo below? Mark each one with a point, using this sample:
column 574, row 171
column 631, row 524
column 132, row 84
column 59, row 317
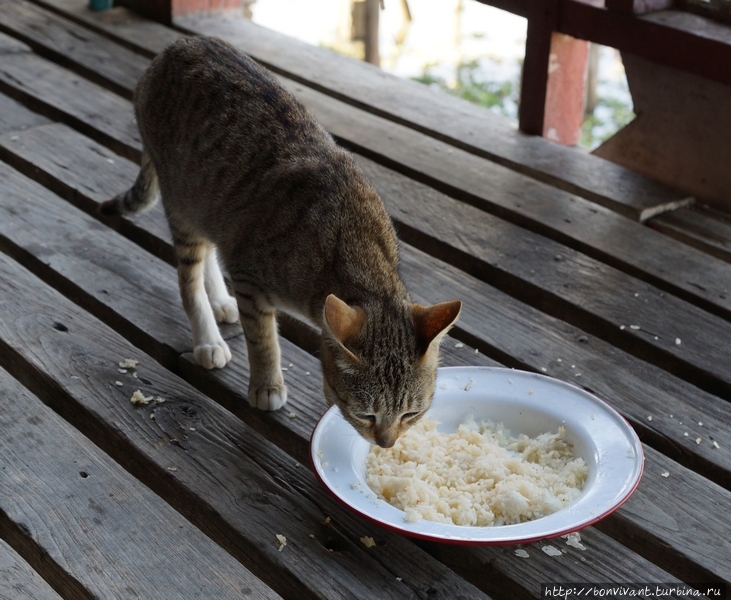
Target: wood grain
column 16, row 117
column 505, row 332
column 205, row 463
column 64, row 96
column 702, row 228
column 68, row 43
column 89, row 526
column 441, row 117
column 18, row 580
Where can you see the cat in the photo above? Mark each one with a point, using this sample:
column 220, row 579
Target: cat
column 247, row 176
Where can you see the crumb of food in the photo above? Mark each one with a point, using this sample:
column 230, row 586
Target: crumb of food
column 325, row 464
column 292, row 415
column 552, row 551
column 522, row 553
column 574, row 540
column 459, row 345
column 129, row 363
column 282, row 541
column 307, row 373
column 686, row 434
column 399, row 579
column 368, row 541
column 715, row 445
column 544, row 369
column 285, row 369
column 698, row 440
column 118, row 383
column 530, row 392
column 326, row 521
column 192, row 428
column 138, row 398
column 621, row 327
column 477, row 350
column 123, row 371
column 312, row 535
column 700, row 423
column 635, row 327
column 172, row 469
column 134, row 374
column 665, row 474
column 355, row 485
column 336, row 469
column 649, row 417
column 677, row 341
column 152, row 415
column 159, row 400
column 319, row 453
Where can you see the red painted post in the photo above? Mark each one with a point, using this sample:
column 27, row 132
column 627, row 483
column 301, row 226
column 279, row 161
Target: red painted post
column 566, row 89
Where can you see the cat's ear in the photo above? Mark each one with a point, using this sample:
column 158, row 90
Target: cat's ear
column 432, row 322
column 344, row 322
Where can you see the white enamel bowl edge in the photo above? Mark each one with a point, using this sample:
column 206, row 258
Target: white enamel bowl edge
column 525, row 403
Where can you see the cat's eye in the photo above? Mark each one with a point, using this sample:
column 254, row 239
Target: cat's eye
column 410, row 415
column 370, row 418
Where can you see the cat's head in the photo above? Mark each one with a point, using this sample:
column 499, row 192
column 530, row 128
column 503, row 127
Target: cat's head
column 379, row 363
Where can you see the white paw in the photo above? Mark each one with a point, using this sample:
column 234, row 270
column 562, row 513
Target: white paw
column 212, row 356
column 268, row 398
column 225, row 310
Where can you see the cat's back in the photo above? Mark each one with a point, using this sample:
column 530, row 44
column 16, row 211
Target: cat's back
column 202, row 88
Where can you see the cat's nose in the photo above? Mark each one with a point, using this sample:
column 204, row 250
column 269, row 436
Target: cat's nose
column 385, row 439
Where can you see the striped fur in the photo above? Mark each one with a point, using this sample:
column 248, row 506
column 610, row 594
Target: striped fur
column 247, row 176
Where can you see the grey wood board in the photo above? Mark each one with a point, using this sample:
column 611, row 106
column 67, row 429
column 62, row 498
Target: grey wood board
column 90, row 527
column 193, row 453
column 18, row 580
column 523, row 337
column 707, row 230
column 301, row 363
column 66, row 42
column 86, row 259
column 64, row 96
column 637, row 397
column 16, row 117
column 85, row 173
column 443, row 117
column 639, row 251
column 117, row 23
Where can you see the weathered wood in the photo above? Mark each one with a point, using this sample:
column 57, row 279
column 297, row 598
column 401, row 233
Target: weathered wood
column 522, row 337
column 64, row 96
column 568, row 215
column 438, row 115
column 702, row 228
column 641, row 390
column 205, row 463
column 90, row 527
column 639, row 7
column 18, row 581
column 16, row 117
column 68, row 43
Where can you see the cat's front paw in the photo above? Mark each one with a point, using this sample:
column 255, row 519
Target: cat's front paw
column 225, row 310
column 212, row 356
column 268, row 398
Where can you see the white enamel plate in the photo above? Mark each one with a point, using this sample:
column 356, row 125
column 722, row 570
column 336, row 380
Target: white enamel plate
column 525, row 403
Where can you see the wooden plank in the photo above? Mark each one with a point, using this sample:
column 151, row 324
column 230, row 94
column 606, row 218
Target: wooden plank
column 18, row 580
column 200, row 459
column 91, row 528
column 702, row 228
column 64, row 96
column 304, row 388
column 438, row 115
column 421, row 273
column 568, row 215
column 702, row 283
column 456, row 239
column 639, row 7
column 16, row 117
column 68, row 43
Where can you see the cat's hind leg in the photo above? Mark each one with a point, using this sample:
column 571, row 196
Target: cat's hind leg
column 209, row 348
column 224, row 306
column 259, row 322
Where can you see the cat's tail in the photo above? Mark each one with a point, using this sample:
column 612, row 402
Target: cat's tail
column 143, row 194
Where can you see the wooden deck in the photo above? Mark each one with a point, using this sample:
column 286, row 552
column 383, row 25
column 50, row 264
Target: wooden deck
column 566, row 264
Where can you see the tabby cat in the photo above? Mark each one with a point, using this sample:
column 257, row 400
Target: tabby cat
column 247, row 176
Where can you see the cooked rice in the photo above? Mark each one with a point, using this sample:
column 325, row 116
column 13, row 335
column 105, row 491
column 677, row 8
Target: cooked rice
column 478, row 475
